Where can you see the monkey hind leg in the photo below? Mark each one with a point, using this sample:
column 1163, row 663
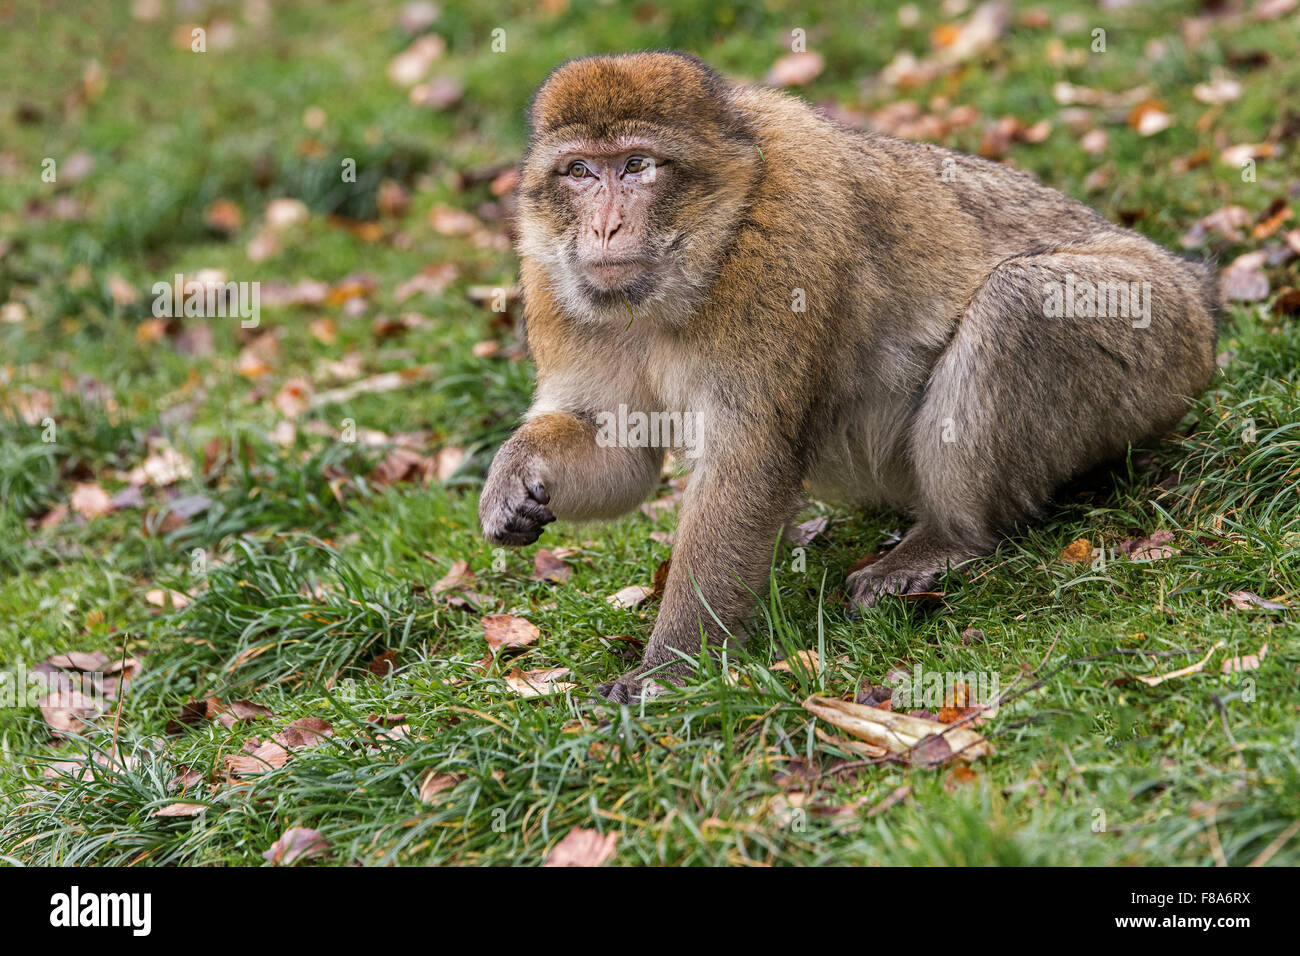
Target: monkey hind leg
column 1059, row 362
column 914, row 564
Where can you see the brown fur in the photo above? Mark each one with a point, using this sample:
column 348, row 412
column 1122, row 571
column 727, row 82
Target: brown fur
column 923, row 375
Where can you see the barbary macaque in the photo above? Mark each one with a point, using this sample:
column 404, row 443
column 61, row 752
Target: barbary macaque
column 872, row 320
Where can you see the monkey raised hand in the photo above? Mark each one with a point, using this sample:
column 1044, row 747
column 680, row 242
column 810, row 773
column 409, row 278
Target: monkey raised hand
column 796, row 305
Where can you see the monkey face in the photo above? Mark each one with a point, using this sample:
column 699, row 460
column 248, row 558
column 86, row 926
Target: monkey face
column 611, row 191
column 632, row 164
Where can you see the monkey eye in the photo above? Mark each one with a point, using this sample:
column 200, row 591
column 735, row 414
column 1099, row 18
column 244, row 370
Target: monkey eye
column 637, row 164
column 579, row 170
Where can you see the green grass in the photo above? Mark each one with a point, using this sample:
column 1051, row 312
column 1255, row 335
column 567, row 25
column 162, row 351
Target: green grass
column 302, row 569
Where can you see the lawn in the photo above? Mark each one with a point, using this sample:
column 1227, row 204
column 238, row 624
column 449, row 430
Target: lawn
column 263, row 527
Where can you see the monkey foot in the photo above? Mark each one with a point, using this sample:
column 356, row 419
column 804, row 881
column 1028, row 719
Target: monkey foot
column 644, row 683
column 869, row 584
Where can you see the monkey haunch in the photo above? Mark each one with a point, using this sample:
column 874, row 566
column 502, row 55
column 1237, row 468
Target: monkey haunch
column 889, row 322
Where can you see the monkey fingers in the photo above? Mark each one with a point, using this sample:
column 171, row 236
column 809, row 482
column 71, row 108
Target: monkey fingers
column 518, row 515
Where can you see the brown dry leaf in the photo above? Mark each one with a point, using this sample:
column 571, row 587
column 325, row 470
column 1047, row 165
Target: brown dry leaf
column 634, row 595
column 447, row 462
column 507, row 630
column 304, row 732
column 1287, row 302
column 449, row 221
column 1078, row 551
column 803, row 534
column 90, row 501
column 959, row 776
column 582, row 847
column 431, row 280
column 402, row 465
column 180, row 810
column 67, row 710
column 440, row 93
column 324, row 330
column 1244, row 280
column 285, row 213
column 1153, row 680
column 1245, row 600
column 294, row 397
column 538, row 683
column 259, row 357
column 268, row 756
column 956, row 43
column 852, row 746
column 163, row 466
column 549, row 566
column 1149, row 117
column 1247, row 662
column 297, row 843
column 896, row 797
column 33, row 405
column 959, row 703
column 1239, row 155
column 796, row 69
column 413, row 64
column 1219, row 90
column 1226, row 222
column 1152, row 548
column 165, row 597
column 808, row 663
column 383, row 382
column 1271, row 219
column 121, row 291
column 435, row 783
column 460, row 575
column 223, row 216
column 925, row 741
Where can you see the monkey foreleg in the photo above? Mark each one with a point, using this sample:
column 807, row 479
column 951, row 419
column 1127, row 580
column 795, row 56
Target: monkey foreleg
column 724, row 546
column 552, row 467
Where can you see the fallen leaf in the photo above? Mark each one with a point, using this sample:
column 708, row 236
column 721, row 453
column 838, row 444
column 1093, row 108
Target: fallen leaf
column 549, row 566
column 796, row 69
column 304, row 732
column 90, row 501
column 1078, row 551
column 1152, row 548
column 435, row 783
column 1247, row 662
column 1226, row 222
column 449, row 221
column 1271, row 219
column 180, row 810
column 631, row 596
column 896, row 797
column 282, row 214
column 297, row 843
column 537, row 683
column 266, row 757
column 803, row 534
column 223, row 216
column 1245, row 600
column 926, row 741
column 1149, row 117
column 294, row 397
column 506, row 630
column 808, row 663
column 582, row 847
column 163, row 597
column 1157, row 679
column 163, row 466
column 1220, row 89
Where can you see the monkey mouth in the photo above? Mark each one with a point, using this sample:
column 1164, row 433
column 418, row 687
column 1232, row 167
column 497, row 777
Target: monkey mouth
column 612, row 275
